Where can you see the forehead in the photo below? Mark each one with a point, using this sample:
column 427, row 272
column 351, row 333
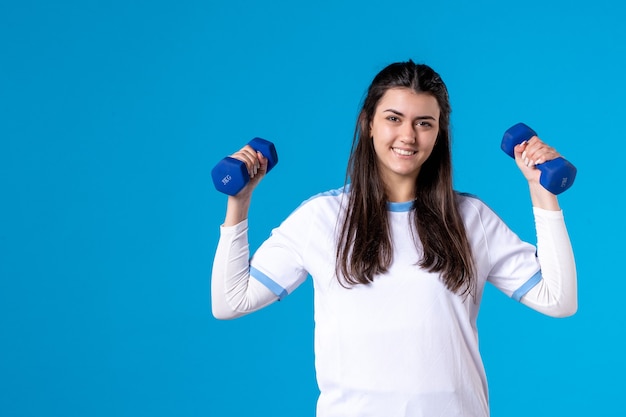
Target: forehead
column 408, row 100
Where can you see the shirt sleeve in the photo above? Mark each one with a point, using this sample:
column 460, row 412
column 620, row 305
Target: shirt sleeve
column 509, row 263
column 233, row 293
column 279, row 263
column 542, row 277
column 556, row 294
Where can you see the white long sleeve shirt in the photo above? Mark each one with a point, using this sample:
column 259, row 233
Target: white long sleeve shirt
column 404, row 345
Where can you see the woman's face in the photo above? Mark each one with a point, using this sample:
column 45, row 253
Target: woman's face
column 404, row 129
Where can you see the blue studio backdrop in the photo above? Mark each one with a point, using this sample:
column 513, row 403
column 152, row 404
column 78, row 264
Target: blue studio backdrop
column 112, row 114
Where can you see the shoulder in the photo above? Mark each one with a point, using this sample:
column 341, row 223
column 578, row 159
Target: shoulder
column 331, row 198
column 478, row 216
column 328, row 197
column 470, row 205
column 322, row 204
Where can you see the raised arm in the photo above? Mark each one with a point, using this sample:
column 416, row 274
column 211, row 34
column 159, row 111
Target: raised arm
column 233, row 293
column 556, row 294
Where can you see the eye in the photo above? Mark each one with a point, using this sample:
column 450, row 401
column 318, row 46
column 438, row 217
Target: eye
column 393, row 118
column 423, row 123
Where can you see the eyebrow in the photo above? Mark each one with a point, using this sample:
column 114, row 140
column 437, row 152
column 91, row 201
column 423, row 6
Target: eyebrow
column 426, row 117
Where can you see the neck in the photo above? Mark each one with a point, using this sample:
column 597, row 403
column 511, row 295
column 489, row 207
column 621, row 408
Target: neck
column 401, row 192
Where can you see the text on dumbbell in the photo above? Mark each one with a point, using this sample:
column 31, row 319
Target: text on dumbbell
column 226, row 179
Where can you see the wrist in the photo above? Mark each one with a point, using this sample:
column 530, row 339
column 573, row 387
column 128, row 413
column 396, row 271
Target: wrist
column 236, row 210
column 542, row 198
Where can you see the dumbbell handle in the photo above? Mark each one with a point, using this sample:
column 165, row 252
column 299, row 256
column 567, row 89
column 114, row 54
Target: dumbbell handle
column 230, row 175
column 557, row 175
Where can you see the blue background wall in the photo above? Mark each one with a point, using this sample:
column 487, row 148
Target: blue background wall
column 112, row 114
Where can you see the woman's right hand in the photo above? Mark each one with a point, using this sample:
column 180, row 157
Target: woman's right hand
column 238, row 205
column 256, row 165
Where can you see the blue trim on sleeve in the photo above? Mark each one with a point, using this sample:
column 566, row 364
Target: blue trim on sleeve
column 528, row 285
column 269, row 283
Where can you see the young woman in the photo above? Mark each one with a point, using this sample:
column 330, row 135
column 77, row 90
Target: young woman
column 399, row 260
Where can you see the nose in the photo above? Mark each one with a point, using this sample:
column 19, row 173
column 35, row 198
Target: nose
column 409, row 135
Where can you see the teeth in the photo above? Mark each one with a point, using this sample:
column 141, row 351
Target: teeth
column 403, row 152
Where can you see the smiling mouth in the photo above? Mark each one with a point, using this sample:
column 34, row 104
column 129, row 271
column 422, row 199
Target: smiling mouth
column 403, row 152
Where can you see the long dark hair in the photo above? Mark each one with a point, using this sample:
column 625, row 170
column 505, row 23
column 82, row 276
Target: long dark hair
column 364, row 247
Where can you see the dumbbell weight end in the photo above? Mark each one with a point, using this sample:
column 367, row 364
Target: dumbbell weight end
column 557, row 175
column 230, row 175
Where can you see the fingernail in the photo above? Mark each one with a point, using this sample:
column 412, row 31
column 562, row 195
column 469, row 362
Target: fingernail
column 524, row 155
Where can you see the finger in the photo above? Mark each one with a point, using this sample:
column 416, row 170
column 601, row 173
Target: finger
column 520, row 151
column 538, row 152
column 530, row 152
column 257, row 165
column 254, row 161
column 263, row 162
column 247, row 160
column 247, row 155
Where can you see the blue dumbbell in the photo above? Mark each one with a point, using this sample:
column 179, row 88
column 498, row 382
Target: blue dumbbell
column 557, row 175
column 230, row 175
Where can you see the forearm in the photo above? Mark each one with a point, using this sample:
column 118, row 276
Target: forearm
column 528, row 155
column 233, row 293
column 542, row 198
column 556, row 294
column 236, row 210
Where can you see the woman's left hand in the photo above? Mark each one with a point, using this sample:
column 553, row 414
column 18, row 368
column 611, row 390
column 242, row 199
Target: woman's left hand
column 531, row 153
